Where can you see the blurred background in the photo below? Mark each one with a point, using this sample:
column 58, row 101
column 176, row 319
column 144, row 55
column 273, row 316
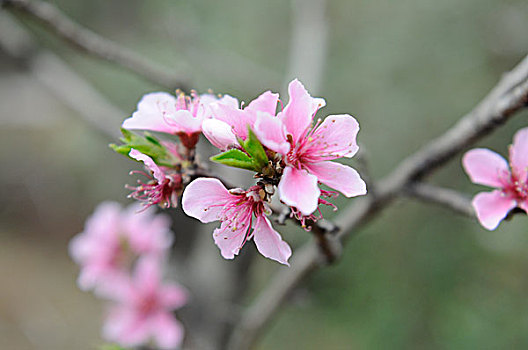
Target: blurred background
column 417, row 277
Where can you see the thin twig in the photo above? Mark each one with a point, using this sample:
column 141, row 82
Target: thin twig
column 451, row 199
column 509, row 96
column 93, row 44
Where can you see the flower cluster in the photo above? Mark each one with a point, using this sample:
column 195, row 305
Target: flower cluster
column 121, row 254
column 289, row 151
column 488, row 168
column 166, row 162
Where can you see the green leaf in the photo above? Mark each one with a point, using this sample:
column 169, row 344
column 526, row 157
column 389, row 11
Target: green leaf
column 235, row 158
column 127, row 135
column 122, row 149
column 152, row 140
column 254, row 148
column 146, row 144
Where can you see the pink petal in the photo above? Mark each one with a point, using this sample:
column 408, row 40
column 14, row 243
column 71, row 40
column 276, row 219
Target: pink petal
column 80, row 248
column 158, row 173
column 266, row 102
column 114, row 285
column 219, row 133
column 183, row 121
column 208, row 102
column 230, row 239
column 491, row 208
column 485, row 167
column 151, row 111
column 236, row 118
column 269, row 242
column 167, row 331
column 88, row 277
column 125, row 327
column 336, row 137
column 207, row 99
column 147, row 274
column 271, row 133
column 173, row 296
column 299, row 189
column 148, row 233
column 341, row 177
column 105, row 222
column 519, row 153
column 229, row 101
column 298, row 114
column 204, row 199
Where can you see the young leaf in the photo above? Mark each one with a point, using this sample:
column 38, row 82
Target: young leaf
column 147, row 144
column 254, row 148
column 235, row 158
column 152, row 139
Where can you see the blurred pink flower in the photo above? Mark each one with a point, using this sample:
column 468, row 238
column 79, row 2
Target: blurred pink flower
column 162, row 189
column 142, row 312
column 230, row 122
column 239, row 212
column 113, row 238
column 181, row 115
column 486, row 167
column 308, row 150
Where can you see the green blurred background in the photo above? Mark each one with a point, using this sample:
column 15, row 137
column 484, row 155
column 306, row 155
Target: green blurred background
column 418, row 277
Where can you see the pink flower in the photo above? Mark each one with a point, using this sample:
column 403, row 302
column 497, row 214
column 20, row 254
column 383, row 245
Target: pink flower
column 308, row 150
column 230, row 122
column 113, row 239
column 239, row 212
column 486, row 167
column 143, row 310
column 181, row 115
column 162, row 189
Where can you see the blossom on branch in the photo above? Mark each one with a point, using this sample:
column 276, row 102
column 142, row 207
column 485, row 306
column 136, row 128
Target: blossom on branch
column 142, row 310
column 181, row 115
column 242, row 215
column 230, row 122
column 311, row 149
column 163, row 188
column 488, row 168
column 112, row 240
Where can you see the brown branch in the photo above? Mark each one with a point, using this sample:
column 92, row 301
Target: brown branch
column 458, row 202
column 509, row 96
column 451, row 199
column 93, row 44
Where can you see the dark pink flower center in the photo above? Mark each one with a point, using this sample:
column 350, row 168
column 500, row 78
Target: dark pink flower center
column 514, row 187
column 314, row 146
column 240, row 211
column 148, row 303
column 154, row 192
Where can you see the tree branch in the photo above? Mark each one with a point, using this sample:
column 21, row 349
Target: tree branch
column 89, row 42
column 451, row 199
column 509, row 96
